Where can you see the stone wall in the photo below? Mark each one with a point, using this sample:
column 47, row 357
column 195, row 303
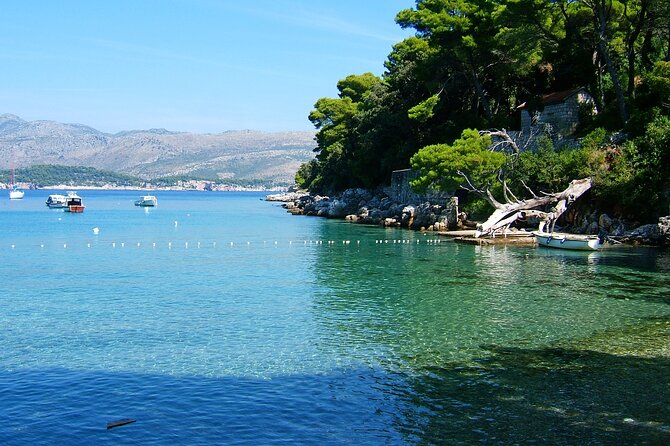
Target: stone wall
column 400, row 191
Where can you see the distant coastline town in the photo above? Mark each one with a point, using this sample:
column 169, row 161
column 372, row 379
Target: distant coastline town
column 68, row 177
column 193, row 185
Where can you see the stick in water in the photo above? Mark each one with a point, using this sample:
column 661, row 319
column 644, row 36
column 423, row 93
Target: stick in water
column 121, row 422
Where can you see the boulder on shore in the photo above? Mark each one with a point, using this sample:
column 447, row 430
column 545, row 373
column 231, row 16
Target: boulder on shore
column 368, row 207
column 650, row 234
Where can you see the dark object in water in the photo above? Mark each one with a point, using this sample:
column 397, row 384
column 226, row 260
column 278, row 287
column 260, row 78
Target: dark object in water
column 121, row 422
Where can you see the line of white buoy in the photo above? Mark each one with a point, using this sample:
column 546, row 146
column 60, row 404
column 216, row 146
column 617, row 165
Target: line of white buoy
column 274, row 243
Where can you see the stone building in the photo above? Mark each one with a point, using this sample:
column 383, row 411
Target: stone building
column 559, row 111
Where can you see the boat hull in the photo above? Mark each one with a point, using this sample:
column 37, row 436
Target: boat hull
column 568, row 241
column 75, row 209
column 16, row 194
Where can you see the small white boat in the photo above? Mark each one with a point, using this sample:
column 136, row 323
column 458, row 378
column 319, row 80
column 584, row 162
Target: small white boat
column 147, row 200
column 15, row 193
column 568, row 241
column 56, row 201
column 74, row 203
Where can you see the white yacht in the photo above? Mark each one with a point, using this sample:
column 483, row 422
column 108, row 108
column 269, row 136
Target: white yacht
column 147, row 200
column 56, row 201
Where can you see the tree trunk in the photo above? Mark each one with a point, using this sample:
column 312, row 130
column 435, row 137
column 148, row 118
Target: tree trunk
column 637, row 24
column 479, row 89
column 507, row 213
column 603, row 48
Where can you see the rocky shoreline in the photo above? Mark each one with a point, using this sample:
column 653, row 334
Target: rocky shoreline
column 377, row 208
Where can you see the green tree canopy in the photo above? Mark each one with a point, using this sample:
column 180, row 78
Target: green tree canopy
column 447, row 166
column 471, row 63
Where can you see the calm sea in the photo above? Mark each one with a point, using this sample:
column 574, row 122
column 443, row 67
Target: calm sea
column 218, row 318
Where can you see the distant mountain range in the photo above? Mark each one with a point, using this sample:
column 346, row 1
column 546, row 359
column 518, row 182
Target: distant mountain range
column 229, row 156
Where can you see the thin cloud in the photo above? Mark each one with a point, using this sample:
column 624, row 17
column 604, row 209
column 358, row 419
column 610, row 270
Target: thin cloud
column 303, row 18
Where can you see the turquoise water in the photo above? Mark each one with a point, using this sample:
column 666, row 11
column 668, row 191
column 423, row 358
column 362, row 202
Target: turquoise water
column 217, row 318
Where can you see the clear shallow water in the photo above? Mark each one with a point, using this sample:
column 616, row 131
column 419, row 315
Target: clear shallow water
column 217, row 318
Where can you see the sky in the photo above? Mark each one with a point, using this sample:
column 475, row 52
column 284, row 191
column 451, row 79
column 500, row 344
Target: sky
column 205, row 66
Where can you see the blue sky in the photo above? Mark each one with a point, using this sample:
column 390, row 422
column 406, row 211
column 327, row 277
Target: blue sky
column 187, row 65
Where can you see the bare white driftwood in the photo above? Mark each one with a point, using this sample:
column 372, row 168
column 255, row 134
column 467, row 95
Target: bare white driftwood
column 514, row 209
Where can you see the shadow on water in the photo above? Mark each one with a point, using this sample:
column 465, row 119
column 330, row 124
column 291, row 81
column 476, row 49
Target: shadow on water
column 548, row 396
column 511, row 395
column 310, row 409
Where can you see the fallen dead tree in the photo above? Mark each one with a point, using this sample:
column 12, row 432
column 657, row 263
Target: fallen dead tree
column 515, row 209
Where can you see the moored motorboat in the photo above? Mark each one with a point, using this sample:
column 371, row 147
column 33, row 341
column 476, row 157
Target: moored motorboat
column 147, row 200
column 74, row 203
column 56, row 201
column 576, row 242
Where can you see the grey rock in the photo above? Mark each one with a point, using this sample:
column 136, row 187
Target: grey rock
column 605, row 222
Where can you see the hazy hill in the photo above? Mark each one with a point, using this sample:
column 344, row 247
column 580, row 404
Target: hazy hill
column 234, row 155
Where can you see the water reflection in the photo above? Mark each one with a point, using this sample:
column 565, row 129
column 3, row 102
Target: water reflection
column 441, row 301
column 495, row 344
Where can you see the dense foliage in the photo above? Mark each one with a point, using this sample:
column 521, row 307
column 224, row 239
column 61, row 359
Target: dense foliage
column 471, row 63
column 51, row 175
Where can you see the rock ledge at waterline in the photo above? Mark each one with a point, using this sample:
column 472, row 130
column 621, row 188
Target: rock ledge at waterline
column 377, row 208
column 364, row 206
